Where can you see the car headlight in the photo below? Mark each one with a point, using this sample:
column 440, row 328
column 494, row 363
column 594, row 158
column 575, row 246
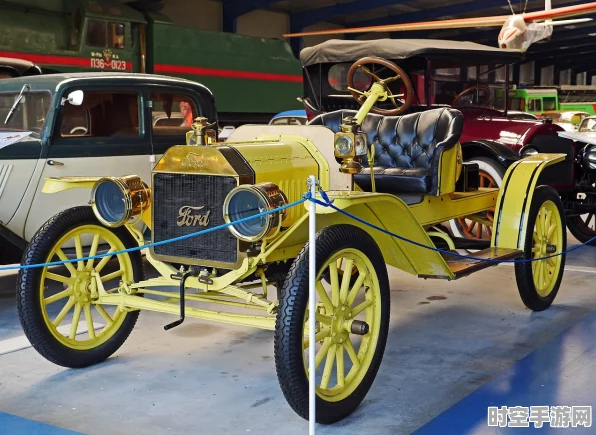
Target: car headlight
column 344, row 145
column 529, row 152
column 116, row 200
column 589, row 157
column 249, row 200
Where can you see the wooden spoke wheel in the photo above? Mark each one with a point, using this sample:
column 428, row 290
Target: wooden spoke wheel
column 491, row 175
column 58, row 306
column 352, row 321
column 538, row 281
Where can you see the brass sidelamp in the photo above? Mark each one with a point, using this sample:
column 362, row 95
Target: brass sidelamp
column 350, row 144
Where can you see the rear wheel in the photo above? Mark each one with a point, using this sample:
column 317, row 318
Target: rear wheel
column 538, row 281
column 352, row 324
column 491, row 174
column 52, row 302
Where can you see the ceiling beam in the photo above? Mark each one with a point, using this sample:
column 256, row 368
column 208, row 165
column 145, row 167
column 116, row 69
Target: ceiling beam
column 556, row 47
column 319, row 15
column 445, row 11
column 426, row 14
column 232, row 9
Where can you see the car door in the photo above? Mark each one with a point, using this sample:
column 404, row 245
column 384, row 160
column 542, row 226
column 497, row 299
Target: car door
column 105, row 136
column 20, row 153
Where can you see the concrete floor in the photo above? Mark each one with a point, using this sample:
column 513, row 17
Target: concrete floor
column 446, row 340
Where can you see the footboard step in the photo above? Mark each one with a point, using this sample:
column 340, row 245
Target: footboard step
column 463, row 266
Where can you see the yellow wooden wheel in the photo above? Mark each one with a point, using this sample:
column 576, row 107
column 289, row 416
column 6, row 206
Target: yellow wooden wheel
column 343, row 356
column 352, row 322
column 58, row 306
column 77, row 299
column 547, row 238
column 538, row 281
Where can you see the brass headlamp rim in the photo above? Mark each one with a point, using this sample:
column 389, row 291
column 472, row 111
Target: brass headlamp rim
column 273, row 197
column 135, row 193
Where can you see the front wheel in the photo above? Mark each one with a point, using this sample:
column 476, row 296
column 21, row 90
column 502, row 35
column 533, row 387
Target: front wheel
column 52, row 301
column 538, row 281
column 352, row 324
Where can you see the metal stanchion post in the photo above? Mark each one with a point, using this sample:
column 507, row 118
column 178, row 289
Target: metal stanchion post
column 312, row 274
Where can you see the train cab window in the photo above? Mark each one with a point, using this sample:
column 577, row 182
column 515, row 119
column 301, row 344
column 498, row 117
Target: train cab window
column 550, row 103
column 116, row 35
column 535, row 105
column 103, row 114
column 96, row 33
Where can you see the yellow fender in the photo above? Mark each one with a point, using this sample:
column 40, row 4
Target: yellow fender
column 385, row 211
column 515, row 198
column 59, row 184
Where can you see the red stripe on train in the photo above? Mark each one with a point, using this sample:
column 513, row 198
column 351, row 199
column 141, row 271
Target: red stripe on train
column 51, row 59
column 225, row 73
column 48, row 59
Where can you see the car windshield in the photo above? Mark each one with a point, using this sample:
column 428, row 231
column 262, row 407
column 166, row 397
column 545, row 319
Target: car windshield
column 473, row 87
column 588, row 125
column 29, row 114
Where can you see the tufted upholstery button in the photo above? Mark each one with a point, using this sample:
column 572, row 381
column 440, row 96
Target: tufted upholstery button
column 407, row 147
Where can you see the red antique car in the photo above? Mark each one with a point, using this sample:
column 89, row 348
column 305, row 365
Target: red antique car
column 471, row 77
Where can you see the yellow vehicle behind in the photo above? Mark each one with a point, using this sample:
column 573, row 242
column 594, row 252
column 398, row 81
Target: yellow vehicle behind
column 225, row 275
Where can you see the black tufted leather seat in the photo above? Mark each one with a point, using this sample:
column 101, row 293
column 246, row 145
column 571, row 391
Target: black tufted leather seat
column 407, row 148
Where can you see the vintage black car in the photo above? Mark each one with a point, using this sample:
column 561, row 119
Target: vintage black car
column 471, row 77
column 11, row 67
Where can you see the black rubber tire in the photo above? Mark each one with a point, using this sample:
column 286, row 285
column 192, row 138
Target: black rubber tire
column 28, row 295
column 289, row 355
column 580, row 231
column 523, row 271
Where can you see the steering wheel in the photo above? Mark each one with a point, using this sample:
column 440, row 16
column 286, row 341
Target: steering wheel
column 82, row 129
column 400, row 101
column 471, row 89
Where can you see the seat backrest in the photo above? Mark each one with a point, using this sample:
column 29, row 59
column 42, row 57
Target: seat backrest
column 406, row 141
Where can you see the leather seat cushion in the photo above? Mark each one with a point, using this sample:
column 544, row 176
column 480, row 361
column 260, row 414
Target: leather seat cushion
column 396, row 180
column 407, row 147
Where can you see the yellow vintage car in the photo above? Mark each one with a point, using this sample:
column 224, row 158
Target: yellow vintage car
column 225, row 275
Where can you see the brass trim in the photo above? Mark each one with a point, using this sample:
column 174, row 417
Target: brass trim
column 221, row 161
column 272, row 197
column 135, row 194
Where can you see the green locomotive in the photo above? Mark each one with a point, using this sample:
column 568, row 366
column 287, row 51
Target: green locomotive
column 251, row 78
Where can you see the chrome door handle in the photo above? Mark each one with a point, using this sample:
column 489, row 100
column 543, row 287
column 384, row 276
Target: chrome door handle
column 55, row 163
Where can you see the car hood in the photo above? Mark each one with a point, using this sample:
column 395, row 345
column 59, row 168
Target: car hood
column 513, row 132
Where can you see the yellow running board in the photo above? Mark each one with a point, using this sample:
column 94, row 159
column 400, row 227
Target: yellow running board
column 465, row 266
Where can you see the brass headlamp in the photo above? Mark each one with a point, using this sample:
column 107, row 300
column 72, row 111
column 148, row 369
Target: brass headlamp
column 116, row 200
column 249, row 200
column 201, row 133
column 350, row 144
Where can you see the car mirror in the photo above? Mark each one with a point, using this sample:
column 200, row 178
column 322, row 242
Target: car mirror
column 75, row 98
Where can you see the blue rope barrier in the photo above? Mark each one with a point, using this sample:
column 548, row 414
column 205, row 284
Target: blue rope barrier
column 329, row 203
column 163, row 242
column 307, row 197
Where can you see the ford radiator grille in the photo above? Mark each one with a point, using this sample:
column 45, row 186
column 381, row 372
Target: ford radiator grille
column 188, row 203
